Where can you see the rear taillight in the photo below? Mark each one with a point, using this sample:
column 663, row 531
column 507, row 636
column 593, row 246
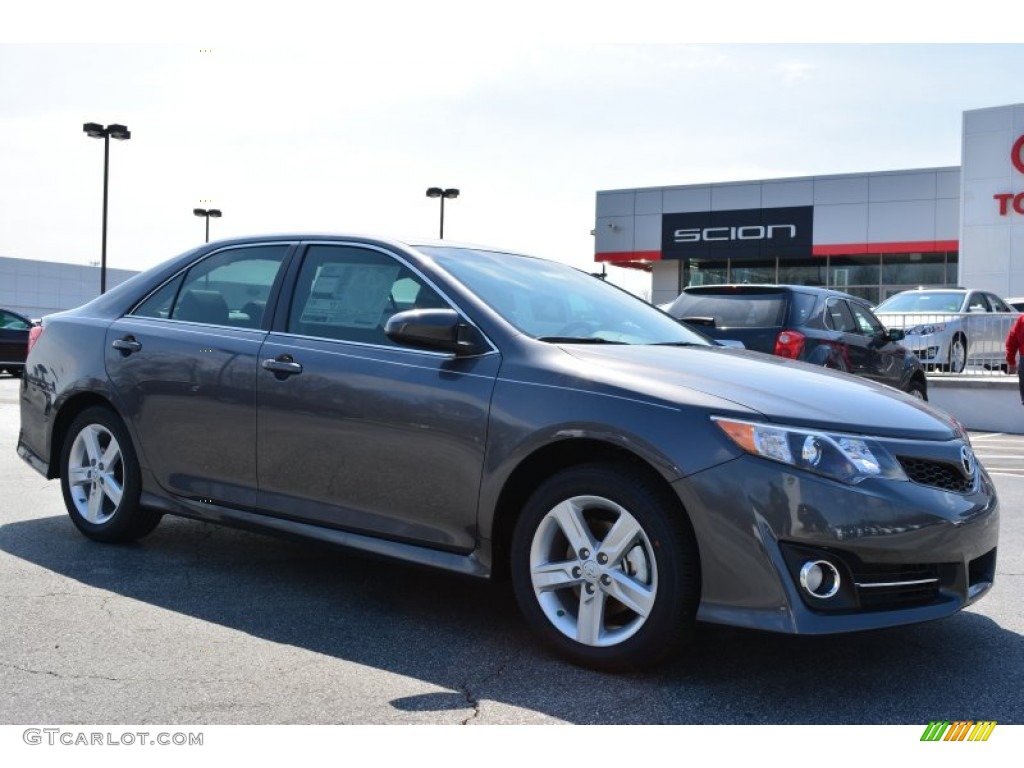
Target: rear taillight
column 33, row 336
column 789, row 344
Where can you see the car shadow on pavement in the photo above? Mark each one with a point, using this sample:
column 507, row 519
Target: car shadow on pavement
column 465, row 635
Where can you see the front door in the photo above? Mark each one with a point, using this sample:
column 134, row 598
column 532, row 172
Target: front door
column 358, row 432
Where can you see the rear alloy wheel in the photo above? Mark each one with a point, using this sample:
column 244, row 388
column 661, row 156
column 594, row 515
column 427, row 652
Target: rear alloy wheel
column 605, row 567
column 99, row 477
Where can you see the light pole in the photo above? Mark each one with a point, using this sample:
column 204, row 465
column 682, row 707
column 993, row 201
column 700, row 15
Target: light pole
column 207, row 214
column 97, row 131
column 442, row 193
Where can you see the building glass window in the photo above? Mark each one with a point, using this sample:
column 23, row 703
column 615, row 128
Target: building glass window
column 914, row 269
column 813, row 271
column 702, row 272
column 872, row 277
column 753, row 271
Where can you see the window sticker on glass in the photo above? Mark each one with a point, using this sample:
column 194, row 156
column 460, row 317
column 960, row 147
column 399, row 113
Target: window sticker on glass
column 350, row 295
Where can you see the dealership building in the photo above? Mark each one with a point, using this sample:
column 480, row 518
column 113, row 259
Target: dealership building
column 870, row 234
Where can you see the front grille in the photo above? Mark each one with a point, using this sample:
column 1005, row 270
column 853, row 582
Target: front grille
column 886, row 587
column 937, row 474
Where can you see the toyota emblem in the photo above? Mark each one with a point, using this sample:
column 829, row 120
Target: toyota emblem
column 967, row 461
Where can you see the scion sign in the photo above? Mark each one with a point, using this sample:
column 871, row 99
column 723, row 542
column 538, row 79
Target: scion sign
column 753, row 233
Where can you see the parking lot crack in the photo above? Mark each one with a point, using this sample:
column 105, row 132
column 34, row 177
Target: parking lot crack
column 468, row 689
column 50, row 673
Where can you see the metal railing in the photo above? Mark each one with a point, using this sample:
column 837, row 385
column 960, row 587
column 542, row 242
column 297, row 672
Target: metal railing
column 956, row 344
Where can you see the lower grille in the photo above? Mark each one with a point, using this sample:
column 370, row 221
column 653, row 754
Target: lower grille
column 886, row 587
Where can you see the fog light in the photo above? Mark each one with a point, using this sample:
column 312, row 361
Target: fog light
column 819, row 578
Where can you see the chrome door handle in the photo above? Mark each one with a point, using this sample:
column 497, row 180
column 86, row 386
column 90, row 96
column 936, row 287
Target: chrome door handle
column 283, row 364
column 127, row 345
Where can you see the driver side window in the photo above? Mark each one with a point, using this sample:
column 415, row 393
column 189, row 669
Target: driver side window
column 349, row 293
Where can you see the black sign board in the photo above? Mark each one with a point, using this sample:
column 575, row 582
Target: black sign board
column 752, row 233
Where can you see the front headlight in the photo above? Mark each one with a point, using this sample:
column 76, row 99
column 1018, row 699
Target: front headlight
column 925, row 330
column 849, row 458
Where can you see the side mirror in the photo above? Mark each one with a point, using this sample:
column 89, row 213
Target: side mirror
column 441, row 329
column 897, row 334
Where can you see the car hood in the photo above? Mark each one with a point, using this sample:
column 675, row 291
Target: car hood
column 783, row 391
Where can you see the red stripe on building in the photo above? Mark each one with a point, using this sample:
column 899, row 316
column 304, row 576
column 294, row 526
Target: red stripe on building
column 841, row 249
column 913, row 246
column 629, row 256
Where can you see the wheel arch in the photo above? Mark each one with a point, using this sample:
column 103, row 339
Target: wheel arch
column 918, row 377
column 543, row 463
column 65, row 416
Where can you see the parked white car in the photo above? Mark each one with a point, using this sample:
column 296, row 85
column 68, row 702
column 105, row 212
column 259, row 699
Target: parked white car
column 950, row 328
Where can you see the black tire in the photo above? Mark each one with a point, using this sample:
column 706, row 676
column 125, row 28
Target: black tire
column 957, row 354
column 655, row 566
column 103, row 499
column 917, row 389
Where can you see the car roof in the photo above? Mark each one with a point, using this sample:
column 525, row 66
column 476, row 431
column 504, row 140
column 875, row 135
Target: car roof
column 750, row 288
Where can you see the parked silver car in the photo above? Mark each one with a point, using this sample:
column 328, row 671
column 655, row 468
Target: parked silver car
column 949, row 328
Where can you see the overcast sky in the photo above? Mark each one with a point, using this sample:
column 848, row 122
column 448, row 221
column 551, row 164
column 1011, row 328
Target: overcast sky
column 345, row 131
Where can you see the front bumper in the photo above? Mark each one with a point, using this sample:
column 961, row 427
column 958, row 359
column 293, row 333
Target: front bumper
column 930, row 348
column 904, row 551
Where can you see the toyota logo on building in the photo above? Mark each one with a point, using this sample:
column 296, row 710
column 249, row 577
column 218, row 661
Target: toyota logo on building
column 1015, row 154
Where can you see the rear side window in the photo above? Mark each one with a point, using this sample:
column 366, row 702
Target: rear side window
column 739, row 310
column 838, row 316
column 228, row 288
column 801, row 307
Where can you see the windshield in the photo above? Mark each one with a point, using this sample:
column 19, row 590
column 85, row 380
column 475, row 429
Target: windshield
column 555, row 302
column 939, row 301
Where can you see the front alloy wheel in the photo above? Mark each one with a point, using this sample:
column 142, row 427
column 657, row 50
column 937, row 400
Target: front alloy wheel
column 605, row 567
column 597, row 591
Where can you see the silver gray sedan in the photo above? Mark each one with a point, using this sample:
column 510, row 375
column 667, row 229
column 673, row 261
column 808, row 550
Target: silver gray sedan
column 950, row 328
column 503, row 416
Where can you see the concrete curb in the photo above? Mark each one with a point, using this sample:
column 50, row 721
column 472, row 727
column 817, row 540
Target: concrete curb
column 982, row 403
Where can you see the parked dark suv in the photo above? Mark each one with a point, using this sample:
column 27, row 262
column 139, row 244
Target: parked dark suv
column 816, row 325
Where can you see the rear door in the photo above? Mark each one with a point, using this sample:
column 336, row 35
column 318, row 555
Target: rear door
column 184, row 367
column 360, row 433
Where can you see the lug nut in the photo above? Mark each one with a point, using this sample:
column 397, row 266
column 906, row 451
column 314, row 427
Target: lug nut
column 590, row 589
column 606, row 580
column 602, row 558
column 584, row 553
column 577, row 572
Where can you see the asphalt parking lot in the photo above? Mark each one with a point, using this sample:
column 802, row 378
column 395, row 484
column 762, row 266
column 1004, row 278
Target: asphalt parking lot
column 201, row 625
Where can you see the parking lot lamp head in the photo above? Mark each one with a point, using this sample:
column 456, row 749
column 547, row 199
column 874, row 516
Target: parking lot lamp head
column 440, row 193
